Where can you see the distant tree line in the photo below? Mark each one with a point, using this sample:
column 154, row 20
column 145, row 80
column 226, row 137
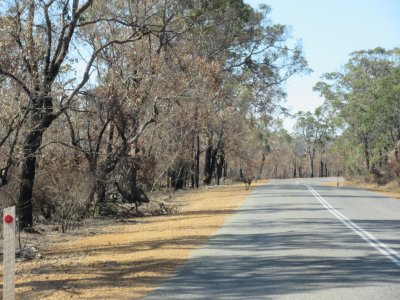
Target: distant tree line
column 355, row 132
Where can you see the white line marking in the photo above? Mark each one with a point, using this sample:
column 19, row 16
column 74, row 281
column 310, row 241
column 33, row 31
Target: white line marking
column 368, row 237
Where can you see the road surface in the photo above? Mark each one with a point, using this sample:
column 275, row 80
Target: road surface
column 295, row 239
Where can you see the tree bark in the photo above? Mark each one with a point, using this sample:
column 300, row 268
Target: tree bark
column 209, row 163
column 178, row 178
column 312, row 167
column 261, row 165
column 197, row 171
column 41, row 118
column 32, row 144
column 321, row 168
column 225, row 169
column 220, row 161
column 366, row 153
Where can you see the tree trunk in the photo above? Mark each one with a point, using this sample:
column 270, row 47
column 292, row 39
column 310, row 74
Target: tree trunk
column 225, row 169
column 207, row 160
column 32, row 144
column 220, row 161
column 261, row 166
column 101, row 195
column 312, row 157
column 40, row 119
column 178, row 178
column 321, row 169
column 381, row 159
column 312, row 165
column 192, row 179
column 209, row 164
column 366, row 153
column 193, row 167
column 197, row 170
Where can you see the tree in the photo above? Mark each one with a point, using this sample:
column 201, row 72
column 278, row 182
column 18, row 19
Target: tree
column 45, row 34
column 358, row 101
column 314, row 129
column 148, row 90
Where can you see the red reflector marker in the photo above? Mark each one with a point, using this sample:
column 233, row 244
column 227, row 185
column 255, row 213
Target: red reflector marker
column 8, row 219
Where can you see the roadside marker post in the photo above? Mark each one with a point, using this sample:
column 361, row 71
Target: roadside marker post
column 9, row 253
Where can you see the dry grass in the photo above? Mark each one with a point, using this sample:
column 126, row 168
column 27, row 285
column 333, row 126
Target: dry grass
column 391, row 189
column 131, row 259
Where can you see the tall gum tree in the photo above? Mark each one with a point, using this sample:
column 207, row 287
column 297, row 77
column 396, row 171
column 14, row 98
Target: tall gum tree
column 47, row 36
column 255, row 62
column 314, row 129
column 360, row 105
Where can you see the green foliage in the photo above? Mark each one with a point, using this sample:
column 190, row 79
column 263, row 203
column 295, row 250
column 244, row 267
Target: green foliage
column 363, row 100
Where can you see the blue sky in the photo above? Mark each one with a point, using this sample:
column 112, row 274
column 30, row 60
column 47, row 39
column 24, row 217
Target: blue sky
column 330, row 30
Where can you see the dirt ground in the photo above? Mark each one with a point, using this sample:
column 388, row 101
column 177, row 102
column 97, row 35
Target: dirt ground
column 124, row 260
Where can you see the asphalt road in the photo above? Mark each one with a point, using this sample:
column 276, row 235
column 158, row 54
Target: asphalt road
column 295, row 239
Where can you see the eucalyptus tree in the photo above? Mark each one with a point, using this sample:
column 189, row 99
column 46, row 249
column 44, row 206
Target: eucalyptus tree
column 49, row 36
column 388, row 106
column 357, row 99
column 315, row 129
column 255, row 62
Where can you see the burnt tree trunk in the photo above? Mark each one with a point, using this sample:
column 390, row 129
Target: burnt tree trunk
column 225, row 169
column 312, row 163
column 196, row 164
column 180, row 180
column 169, row 178
column 101, row 171
column 193, row 163
column 197, row 169
column 32, row 143
column 133, row 193
column 178, row 177
column 41, row 117
column 261, row 165
column 321, row 168
column 220, row 161
column 300, row 172
column 209, row 163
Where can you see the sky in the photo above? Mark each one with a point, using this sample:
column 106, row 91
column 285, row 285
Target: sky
column 330, row 30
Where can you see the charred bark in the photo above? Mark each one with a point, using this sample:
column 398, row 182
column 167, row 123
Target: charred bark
column 262, row 165
column 178, row 178
column 208, row 163
column 220, row 162
column 321, row 168
column 197, row 169
column 133, row 193
column 41, row 117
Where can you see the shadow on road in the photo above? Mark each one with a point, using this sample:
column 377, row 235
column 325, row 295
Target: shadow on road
column 284, row 247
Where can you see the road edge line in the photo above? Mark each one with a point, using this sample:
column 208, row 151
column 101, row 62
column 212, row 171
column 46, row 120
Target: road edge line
column 365, row 235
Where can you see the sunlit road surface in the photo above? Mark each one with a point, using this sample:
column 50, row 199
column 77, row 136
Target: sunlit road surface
column 295, row 239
